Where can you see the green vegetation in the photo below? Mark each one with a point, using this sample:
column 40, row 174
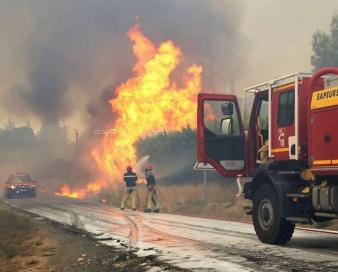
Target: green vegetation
column 38, row 242
column 325, row 46
column 173, row 154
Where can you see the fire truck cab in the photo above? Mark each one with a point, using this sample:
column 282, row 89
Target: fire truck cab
column 286, row 157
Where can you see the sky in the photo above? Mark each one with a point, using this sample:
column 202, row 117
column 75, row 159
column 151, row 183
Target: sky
column 239, row 43
column 279, row 35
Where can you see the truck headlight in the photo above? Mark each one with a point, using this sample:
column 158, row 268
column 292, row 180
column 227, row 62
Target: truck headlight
column 12, row 187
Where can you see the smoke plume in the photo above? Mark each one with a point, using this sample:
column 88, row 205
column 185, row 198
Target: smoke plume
column 62, row 60
column 68, row 51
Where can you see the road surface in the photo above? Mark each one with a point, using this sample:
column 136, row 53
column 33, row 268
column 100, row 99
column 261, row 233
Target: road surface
column 197, row 244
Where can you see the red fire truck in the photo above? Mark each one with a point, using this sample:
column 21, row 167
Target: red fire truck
column 287, row 157
column 20, row 185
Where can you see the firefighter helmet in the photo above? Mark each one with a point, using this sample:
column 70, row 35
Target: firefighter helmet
column 129, row 168
column 148, row 168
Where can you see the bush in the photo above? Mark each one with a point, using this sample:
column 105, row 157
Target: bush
column 173, row 155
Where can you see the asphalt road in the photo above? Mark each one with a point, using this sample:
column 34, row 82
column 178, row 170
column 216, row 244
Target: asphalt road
column 197, row 244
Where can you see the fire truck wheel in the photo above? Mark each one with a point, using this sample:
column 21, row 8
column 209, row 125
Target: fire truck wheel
column 270, row 227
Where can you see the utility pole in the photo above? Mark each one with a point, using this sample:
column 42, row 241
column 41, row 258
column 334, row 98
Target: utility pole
column 204, row 167
column 205, row 187
column 104, row 132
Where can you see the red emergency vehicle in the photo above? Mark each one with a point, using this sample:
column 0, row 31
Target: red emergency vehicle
column 20, row 185
column 286, row 157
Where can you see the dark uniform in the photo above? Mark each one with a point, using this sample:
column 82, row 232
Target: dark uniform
column 130, row 179
column 151, row 191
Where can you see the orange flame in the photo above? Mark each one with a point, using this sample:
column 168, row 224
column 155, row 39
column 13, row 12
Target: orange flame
column 147, row 103
column 90, row 189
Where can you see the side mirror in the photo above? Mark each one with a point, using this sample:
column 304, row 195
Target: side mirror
column 226, row 126
column 227, row 108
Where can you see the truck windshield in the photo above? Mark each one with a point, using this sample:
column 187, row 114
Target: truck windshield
column 213, row 118
column 248, row 100
column 263, row 120
column 263, row 114
column 21, row 179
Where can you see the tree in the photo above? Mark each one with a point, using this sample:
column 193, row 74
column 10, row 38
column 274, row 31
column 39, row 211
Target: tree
column 325, row 46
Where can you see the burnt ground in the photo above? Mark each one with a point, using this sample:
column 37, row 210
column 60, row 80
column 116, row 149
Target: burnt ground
column 37, row 245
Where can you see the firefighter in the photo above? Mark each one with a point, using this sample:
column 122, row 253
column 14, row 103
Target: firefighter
column 264, row 152
column 151, row 191
column 130, row 179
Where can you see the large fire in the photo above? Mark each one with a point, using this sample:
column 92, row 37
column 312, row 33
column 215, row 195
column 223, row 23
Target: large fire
column 90, row 189
column 149, row 102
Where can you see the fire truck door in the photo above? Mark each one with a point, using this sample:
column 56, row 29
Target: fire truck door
column 221, row 138
column 322, row 136
column 323, row 128
column 323, row 114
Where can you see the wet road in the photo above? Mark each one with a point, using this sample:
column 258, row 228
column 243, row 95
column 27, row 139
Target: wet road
column 197, row 244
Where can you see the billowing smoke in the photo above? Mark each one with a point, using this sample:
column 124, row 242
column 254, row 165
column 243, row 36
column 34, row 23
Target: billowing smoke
column 71, row 50
column 61, row 60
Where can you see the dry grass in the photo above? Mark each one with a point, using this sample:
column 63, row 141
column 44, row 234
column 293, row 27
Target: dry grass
column 13, row 228
column 21, row 242
column 222, row 202
column 188, row 200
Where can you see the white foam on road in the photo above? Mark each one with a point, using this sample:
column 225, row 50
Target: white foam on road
column 194, row 243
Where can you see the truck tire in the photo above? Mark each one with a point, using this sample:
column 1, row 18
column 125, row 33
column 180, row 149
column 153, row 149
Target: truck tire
column 270, row 227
